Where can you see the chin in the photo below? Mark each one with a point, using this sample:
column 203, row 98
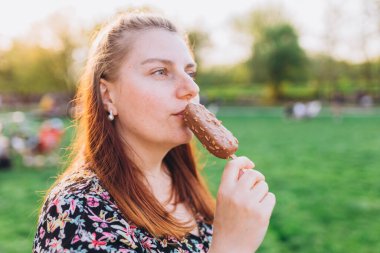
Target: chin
column 189, row 135
column 180, row 136
column 185, row 137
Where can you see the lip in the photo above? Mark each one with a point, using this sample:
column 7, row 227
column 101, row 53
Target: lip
column 180, row 113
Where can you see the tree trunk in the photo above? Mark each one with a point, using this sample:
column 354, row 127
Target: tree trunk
column 275, row 92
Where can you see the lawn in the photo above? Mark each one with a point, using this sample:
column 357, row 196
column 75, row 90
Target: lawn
column 324, row 171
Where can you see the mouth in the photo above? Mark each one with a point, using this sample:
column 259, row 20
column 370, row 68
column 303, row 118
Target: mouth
column 180, row 113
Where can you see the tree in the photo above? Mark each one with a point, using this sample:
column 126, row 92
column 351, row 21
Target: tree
column 277, row 57
column 42, row 61
column 198, row 40
column 369, row 33
column 256, row 21
column 32, row 70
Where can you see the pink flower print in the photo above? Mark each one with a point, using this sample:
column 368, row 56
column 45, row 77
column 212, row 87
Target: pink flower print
column 130, row 230
column 105, row 195
column 103, row 225
column 100, row 218
column 109, row 236
column 147, row 243
column 42, row 232
column 95, row 218
column 73, row 206
column 92, row 202
column 96, row 244
column 200, row 247
column 172, row 238
column 55, row 244
column 75, row 239
column 57, row 204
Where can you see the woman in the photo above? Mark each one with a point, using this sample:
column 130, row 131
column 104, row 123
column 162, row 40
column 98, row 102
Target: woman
column 133, row 185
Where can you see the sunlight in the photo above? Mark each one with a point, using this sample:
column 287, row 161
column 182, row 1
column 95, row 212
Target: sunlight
column 19, row 17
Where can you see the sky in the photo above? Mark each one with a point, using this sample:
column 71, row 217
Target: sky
column 309, row 17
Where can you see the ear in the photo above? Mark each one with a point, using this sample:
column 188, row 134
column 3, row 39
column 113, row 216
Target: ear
column 105, row 92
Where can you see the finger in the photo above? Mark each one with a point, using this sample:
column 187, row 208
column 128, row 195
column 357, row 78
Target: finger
column 241, row 171
column 260, row 190
column 249, row 179
column 232, row 168
column 268, row 202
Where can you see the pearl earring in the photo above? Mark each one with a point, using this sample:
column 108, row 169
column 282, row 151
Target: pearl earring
column 110, row 116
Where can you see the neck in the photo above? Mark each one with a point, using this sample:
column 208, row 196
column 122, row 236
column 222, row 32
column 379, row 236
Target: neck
column 148, row 157
column 150, row 161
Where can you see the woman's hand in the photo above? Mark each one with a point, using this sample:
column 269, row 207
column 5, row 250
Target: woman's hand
column 243, row 209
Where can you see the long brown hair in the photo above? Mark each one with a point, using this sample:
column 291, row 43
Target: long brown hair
column 100, row 148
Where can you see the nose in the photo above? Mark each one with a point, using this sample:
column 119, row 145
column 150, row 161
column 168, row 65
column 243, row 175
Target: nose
column 187, row 88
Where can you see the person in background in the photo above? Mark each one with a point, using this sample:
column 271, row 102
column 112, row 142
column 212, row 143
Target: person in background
column 5, row 154
column 133, row 184
column 49, row 136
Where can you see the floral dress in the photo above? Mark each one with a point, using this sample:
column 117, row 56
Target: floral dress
column 79, row 215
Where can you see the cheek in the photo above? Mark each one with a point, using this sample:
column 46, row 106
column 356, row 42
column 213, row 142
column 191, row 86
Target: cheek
column 139, row 100
column 139, row 106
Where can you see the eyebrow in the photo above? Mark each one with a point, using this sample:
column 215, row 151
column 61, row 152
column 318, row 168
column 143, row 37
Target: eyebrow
column 165, row 61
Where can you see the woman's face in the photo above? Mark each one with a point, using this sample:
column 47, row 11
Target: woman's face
column 154, row 85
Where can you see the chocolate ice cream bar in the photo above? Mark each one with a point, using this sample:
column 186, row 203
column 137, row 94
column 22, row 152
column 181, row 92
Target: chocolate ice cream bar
column 217, row 139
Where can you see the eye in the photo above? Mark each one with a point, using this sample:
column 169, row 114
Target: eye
column 192, row 74
column 160, row 72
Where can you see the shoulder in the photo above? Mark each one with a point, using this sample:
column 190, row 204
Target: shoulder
column 80, row 214
column 77, row 190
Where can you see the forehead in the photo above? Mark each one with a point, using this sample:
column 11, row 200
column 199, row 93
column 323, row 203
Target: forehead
column 159, row 43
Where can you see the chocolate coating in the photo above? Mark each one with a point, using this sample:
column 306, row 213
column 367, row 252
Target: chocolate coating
column 217, row 139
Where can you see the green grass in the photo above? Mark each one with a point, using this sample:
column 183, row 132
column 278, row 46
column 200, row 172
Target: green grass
column 20, row 198
column 324, row 171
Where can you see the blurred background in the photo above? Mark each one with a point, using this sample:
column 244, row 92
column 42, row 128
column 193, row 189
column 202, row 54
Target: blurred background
column 297, row 82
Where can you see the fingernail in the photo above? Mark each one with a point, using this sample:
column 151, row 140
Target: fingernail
column 241, row 172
